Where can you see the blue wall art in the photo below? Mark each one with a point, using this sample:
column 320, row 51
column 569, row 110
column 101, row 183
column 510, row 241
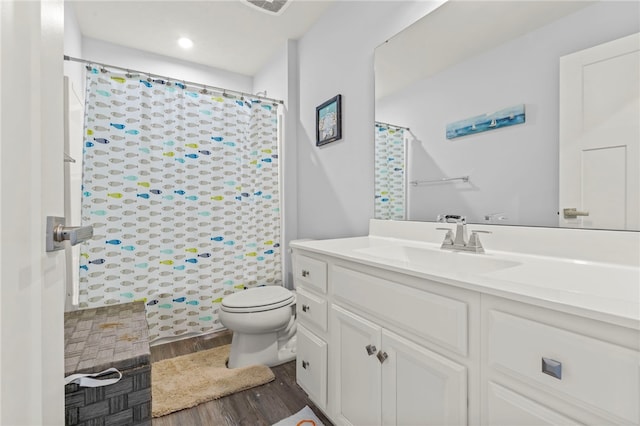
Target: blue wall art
column 481, row 123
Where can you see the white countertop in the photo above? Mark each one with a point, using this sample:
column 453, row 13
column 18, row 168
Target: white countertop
column 603, row 291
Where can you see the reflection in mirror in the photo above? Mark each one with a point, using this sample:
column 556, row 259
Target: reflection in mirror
column 390, row 181
column 467, row 59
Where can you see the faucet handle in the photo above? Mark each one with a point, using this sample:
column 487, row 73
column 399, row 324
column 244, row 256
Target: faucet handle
column 448, row 238
column 474, row 241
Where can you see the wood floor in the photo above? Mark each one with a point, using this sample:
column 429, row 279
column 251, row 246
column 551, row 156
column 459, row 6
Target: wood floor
column 262, row 405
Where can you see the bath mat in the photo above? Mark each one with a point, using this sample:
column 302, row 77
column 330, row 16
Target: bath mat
column 188, row 380
column 304, row 417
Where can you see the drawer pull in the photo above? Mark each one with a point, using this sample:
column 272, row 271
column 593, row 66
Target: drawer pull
column 305, row 273
column 370, row 349
column 306, row 308
column 552, row 368
column 305, row 364
column 382, row 357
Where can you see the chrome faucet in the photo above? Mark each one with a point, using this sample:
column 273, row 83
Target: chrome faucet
column 459, row 240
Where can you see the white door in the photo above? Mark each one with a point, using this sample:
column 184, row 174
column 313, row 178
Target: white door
column 420, row 387
column 31, row 187
column 355, row 372
column 600, row 135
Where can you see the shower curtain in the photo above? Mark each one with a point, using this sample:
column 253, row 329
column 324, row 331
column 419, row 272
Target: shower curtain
column 389, row 183
column 182, row 188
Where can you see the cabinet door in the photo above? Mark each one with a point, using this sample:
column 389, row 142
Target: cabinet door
column 311, row 366
column 355, row 369
column 420, row 387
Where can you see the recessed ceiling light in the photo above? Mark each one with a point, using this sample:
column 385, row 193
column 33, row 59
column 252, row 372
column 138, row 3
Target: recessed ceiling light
column 185, row 42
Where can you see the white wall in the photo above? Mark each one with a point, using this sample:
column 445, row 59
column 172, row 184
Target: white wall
column 112, row 54
column 280, row 79
column 335, row 181
column 73, row 47
column 513, row 170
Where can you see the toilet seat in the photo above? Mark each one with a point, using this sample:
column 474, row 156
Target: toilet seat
column 258, row 299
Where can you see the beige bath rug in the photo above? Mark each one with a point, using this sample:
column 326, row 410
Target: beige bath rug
column 188, row 380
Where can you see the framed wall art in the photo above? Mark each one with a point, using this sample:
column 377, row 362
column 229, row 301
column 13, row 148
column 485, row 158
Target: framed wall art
column 491, row 121
column 329, row 121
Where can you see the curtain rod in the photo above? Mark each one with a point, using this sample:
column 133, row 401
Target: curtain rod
column 380, row 123
column 190, row 83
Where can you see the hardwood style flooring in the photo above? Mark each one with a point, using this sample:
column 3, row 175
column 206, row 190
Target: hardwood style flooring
column 260, row 406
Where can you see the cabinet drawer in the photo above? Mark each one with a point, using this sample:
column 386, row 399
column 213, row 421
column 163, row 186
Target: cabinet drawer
column 311, row 366
column 439, row 319
column 311, row 309
column 592, row 373
column 311, row 272
column 507, row 408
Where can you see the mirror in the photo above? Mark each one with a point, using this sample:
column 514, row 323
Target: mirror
column 470, row 59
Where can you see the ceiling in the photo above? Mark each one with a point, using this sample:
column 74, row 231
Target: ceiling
column 457, row 31
column 227, row 34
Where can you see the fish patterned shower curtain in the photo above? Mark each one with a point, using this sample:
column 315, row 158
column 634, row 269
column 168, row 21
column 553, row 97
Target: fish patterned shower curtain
column 389, row 181
column 181, row 186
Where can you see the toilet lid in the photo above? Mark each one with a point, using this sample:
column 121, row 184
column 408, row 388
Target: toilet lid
column 258, row 298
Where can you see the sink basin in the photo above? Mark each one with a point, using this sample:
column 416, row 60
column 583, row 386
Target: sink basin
column 438, row 260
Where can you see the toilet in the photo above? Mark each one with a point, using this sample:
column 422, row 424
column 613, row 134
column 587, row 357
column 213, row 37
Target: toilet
column 263, row 323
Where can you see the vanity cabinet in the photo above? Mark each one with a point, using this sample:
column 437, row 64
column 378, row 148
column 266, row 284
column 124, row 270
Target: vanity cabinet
column 373, row 351
column 311, row 365
column 383, row 378
column 547, row 367
column 310, row 281
column 377, row 346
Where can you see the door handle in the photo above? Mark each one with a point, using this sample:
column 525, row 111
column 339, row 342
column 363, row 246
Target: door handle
column 382, row 357
column 57, row 233
column 573, row 213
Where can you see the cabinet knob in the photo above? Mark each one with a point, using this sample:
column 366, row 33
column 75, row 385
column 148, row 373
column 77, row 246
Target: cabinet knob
column 382, row 357
column 306, row 308
column 305, row 273
column 552, row 368
column 370, row 349
column 305, row 364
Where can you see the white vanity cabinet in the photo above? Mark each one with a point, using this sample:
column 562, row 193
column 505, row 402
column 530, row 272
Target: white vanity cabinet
column 387, row 349
column 400, row 352
column 404, row 333
column 382, row 378
column 310, row 281
column 546, row 367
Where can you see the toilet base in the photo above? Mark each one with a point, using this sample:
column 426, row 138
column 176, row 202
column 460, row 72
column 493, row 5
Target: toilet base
column 260, row 349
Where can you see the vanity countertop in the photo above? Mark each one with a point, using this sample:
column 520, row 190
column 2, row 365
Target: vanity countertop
column 603, row 291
